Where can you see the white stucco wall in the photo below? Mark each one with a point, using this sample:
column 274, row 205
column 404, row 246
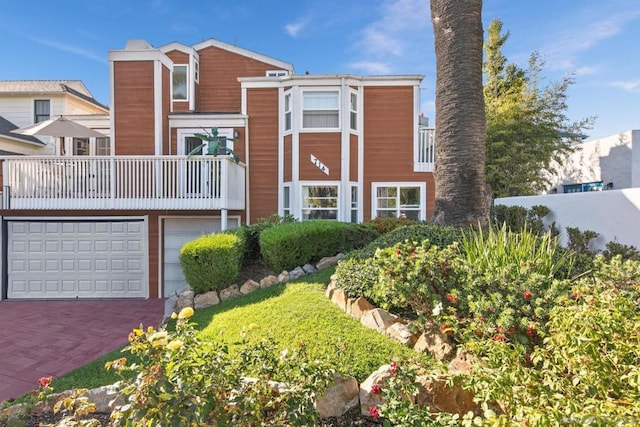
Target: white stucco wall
column 614, row 159
column 614, row 214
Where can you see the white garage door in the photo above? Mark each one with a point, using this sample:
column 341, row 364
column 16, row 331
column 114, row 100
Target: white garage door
column 177, row 232
column 76, row 259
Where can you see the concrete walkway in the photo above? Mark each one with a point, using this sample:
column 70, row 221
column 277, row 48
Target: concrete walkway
column 51, row 338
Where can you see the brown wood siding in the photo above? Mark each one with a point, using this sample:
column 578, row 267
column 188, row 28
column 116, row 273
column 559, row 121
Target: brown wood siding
column 133, row 108
column 388, row 140
column 353, row 158
column 324, row 146
column 288, row 165
column 263, row 152
column 238, row 144
column 219, row 90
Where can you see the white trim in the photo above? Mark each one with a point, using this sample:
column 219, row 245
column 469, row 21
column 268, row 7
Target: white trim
column 345, row 136
column 301, row 109
column 244, row 52
column 157, row 106
column 331, row 80
column 140, row 55
column 182, row 133
column 189, row 88
column 423, row 195
column 281, row 132
column 179, row 47
column 199, row 121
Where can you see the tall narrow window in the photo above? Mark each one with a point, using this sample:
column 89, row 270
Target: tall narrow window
column 179, row 82
column 196, row 71
column 320, row 109
column 354, row 204
column 286, row 200
column 103, row 146
column 287, row 111
column 353, row 105
column 42, row 110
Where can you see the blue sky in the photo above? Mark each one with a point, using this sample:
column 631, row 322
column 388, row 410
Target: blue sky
column 597, row 41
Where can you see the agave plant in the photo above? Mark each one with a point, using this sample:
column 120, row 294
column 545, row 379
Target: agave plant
column 211, row 140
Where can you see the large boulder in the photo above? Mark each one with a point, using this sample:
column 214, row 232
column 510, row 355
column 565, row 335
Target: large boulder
column 341, row 396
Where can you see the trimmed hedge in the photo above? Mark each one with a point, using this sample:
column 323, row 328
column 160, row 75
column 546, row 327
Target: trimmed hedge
column 212, row 262
column 286, row 246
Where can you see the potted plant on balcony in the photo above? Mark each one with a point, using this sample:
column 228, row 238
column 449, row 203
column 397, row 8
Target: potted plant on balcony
column 213, row 143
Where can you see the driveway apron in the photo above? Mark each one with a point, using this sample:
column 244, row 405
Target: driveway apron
column 51, row 338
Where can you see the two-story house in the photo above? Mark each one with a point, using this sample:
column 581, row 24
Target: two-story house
column 339, row 147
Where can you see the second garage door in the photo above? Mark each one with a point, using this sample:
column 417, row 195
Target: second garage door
column 76, row 259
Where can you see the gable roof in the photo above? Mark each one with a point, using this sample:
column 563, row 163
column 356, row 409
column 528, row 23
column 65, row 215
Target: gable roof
column 72, row 87
column 5, row 131
column 244, row 52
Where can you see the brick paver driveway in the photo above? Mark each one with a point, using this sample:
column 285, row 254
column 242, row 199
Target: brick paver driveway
column 51, row 338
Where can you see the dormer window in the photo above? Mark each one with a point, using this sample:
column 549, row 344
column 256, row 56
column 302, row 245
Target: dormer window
column 180, row 83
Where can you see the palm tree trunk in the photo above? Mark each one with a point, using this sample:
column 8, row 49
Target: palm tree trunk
column 461, row 194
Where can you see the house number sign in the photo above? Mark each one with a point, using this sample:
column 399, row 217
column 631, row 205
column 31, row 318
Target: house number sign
column 319, row 165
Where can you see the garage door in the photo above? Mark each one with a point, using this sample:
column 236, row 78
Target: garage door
column 177, row 232
column 76, row 259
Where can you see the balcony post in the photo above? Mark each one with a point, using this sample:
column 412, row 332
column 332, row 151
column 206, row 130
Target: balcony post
column 223, row 220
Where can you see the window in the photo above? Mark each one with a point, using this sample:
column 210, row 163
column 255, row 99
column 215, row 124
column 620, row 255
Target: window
column 103, row 146
column 319, row 202
column 584, row 187
column 396, row 201
column 42, row 110
column 320, row 109
column 80, row 147
column 277, row 73
column 286, row 200
column 196, row 71
column 353, row 106
column 287, row 111
column 179, row 82
column 354, row 204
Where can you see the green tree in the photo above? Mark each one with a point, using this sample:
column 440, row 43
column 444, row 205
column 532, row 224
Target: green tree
column 527, row 124
column 460, row 197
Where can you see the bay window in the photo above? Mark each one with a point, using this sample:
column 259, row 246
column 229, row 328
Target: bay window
column 320, row 109
column 319, row 202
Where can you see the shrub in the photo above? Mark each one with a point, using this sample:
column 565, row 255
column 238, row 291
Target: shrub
column 287, row 246
column 438, row 235
column 211, row 262
column 626, row 252
column 388, row 224
column 250, row 234
column 356, row 277
column 181, row 380
column 586, row 370
column 518, row 218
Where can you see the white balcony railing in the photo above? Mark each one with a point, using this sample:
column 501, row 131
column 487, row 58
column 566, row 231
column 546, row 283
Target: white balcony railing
column 123, row 182
column 425, row 151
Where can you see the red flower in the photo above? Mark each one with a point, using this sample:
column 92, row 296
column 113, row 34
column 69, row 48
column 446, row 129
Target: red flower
column 375, row 389
column 398, row 251
column 527, row 295
column 374, row 412
column 394, row 368
column 452, row 298
column 512, row 329
column 501, row 329
column 499, row 337
column 45, row 382
column 530, row 330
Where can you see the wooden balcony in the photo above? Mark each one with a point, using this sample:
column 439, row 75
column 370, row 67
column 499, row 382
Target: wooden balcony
column 123, row 182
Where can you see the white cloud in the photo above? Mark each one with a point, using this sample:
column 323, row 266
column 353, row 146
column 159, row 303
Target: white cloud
column 586, row 71
column 294, row 29
column 632, row 86
column 371, row 67
column 72, row 49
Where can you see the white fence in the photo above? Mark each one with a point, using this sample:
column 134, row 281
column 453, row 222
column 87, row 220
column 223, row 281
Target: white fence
column 614, row 214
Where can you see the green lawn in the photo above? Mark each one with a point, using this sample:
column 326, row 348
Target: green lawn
column 292, row 314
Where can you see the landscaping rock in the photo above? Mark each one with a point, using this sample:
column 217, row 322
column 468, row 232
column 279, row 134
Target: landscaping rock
column 401, row 333
column 105, row 398
column 339, row 298
column 327, row 262
column 170, row 306
column 370, row 397
column 230, row 292
column 249, row 286
column 296, row 273
column 283, row 277
column 462, row 363
column 268, row 281
column 378, row 319
column 358, row 307
column 308, row 269
column 340, row 396
column 330, row 288
column 440, row 397
column 183, row 303
column 434, row 342
column 205, row 300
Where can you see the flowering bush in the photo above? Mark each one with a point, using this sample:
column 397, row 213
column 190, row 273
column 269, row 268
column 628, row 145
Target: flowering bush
column 181, row 380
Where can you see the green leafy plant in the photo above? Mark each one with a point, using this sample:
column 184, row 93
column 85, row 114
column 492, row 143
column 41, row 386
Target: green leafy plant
column 182, row 380
column 385, row 225
column 212, row 142
column 212, row 262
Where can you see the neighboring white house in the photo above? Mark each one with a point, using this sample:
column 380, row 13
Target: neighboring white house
column 612, row 162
